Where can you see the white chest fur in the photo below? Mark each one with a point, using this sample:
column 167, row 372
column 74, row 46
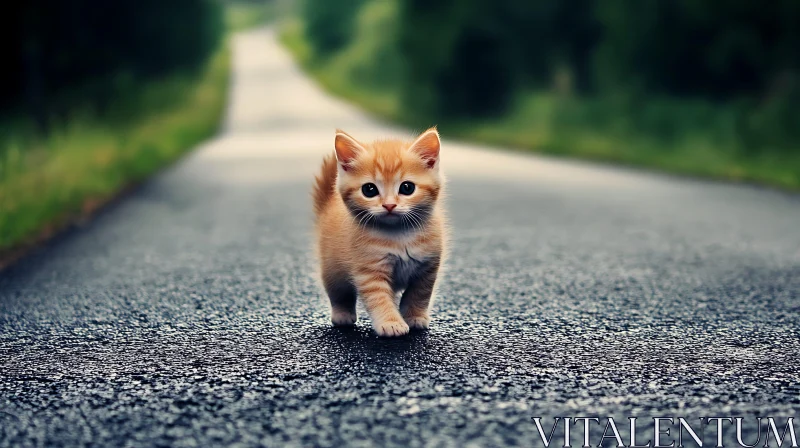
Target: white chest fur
column 405, row 268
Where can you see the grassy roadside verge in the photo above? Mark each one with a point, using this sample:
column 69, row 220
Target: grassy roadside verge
column 546, row 123
column 46, row 183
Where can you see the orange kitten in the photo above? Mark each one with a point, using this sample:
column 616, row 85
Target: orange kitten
column 380, row 229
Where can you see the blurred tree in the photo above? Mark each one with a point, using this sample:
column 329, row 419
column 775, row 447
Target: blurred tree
column 458, row 56
column 551, row 36
column 467, row 57
column 62, row 55
column 470, row 58
column 715, row 48
column 738, row 52
column 329, row 25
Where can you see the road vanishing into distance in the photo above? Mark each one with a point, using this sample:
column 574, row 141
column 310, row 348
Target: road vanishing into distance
column 189, row 314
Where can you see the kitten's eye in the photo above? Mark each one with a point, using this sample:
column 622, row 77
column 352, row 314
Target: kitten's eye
column 407, row 188
column 369, row 190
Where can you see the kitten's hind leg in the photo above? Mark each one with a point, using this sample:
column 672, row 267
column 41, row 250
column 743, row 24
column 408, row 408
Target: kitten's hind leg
column 342, row 294
column 416, row 300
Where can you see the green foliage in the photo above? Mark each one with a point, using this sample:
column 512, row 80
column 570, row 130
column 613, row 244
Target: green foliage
column 244, row 14
column 460, row 64
column 736, row 138
column 713, row 49
column 719, row 76
column 329, row 24
column 83, row 53
column 47, row 180
column 469, row 57
column 739, row 54
column 692, row 137
column 97, row 95
column 372, row 59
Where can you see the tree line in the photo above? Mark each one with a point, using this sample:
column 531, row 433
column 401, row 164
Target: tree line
column 469, row 58
column 60, row 55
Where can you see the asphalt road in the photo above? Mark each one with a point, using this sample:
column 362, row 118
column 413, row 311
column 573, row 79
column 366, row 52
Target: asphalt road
column 188, row 313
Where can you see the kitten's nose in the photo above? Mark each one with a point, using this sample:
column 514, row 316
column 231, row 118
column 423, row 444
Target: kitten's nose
column 389, row 207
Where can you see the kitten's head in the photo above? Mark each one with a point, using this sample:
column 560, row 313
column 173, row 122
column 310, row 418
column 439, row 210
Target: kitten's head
column 389, row 185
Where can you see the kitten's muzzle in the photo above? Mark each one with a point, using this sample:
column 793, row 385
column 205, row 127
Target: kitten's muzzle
column 390, row 217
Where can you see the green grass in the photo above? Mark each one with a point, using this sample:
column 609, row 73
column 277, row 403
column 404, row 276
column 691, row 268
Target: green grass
column 668, row 135
column 88, row 157
column 85, row 161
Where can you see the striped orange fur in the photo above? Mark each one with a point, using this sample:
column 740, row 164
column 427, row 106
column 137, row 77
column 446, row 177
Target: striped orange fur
column 381, row 229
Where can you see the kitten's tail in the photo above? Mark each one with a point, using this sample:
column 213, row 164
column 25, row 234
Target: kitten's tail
column 325, row 183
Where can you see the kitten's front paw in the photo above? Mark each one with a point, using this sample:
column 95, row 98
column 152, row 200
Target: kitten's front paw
column 418, row 322
column 343, row 318
column 390, row 328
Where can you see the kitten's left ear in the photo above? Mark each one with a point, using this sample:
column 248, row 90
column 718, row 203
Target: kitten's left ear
column 427, row 146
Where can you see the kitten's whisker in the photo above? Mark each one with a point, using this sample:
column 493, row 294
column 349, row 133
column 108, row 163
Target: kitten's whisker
column 414, row 224
column 367, row 216
column 370, row 217
column 406, row 220
column 417, row 219
column 360, row 216
column 411, row 221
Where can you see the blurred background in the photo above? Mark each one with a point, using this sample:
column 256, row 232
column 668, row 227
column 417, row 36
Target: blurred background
column 97, row 95
column 705, row 87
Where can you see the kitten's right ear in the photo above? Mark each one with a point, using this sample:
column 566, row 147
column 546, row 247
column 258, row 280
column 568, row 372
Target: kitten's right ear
column 347, row 149
column 427, row 146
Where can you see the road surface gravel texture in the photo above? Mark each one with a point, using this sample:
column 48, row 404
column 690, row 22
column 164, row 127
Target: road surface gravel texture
column 189, row 314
